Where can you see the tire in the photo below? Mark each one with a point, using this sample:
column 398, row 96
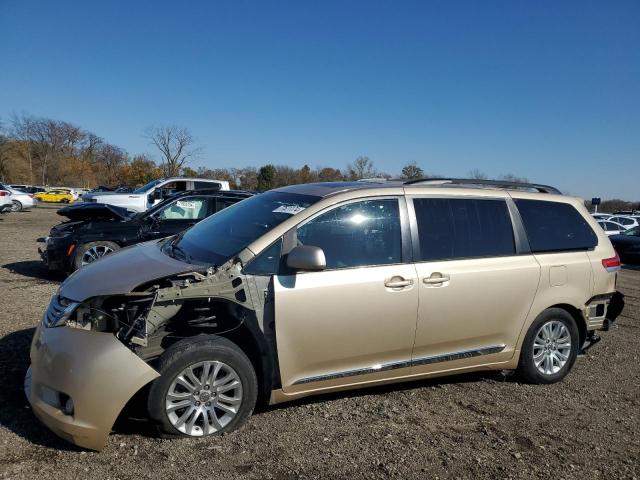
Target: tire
column 94, row 250
column 16, row 206
column 547, row 366
column 189, row 419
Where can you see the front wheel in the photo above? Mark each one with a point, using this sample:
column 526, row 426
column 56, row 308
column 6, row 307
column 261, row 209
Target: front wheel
column 550, row 347
column 207, row 386
column 92, row 251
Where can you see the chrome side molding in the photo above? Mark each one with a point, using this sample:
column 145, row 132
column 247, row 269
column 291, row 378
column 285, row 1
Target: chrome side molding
column 445, row 357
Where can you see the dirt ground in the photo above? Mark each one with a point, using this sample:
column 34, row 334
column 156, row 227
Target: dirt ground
column 471, row 426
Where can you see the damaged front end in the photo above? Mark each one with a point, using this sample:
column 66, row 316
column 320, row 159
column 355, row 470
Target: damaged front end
column 153, row 316
column 111, row 343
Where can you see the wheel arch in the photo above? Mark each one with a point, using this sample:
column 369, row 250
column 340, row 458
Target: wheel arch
column 577, row 316
column 246, row 334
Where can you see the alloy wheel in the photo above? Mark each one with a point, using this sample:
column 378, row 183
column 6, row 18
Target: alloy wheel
column 551, row 347
column 204, row 398
column 94, row 253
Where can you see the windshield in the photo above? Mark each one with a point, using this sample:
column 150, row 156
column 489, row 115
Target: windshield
column 633, row 232
column 216, row 239
column 147, row 187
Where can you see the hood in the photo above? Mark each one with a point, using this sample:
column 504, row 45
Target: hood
column 94, row 211
column 121, row 272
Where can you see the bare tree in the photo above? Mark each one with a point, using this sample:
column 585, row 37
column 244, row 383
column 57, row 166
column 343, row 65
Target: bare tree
column 477, row 174
column 176, row 145
column 509, row 177
column 362, row 167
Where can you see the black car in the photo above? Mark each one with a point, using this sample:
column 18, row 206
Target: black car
column 627, row 245
column 97, row 229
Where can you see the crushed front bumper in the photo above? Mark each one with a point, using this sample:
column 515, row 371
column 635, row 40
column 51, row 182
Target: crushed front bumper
column 94, row 370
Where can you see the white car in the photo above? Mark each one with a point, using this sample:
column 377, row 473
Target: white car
column 19, row 200
column 5, row 201
column 601, row 216
column 626, row 220
column 154, row 192
column 611, row 228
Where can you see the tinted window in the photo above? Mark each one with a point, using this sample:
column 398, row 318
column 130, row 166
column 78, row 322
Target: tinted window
column 357, row 234
column 225, row 202
column 450, row 228
column 267, row 262
column 553, row 226
column 205, row 185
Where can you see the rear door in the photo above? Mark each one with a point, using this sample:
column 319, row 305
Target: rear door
column 355, row 321
column 476, row 280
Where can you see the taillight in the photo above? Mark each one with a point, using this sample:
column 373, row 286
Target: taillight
column 3, row 194
column 611, row 264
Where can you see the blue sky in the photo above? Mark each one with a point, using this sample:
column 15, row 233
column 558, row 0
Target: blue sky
column 548, row 90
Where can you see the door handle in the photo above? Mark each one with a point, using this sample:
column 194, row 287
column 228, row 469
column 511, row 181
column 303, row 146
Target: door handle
column 436, row 278
column 397, row 282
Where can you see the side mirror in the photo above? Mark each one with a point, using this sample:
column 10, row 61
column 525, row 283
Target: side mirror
column 306, row 258
column 157, row 194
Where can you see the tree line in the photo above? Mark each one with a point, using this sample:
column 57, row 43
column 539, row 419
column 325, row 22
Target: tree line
column 43, row 151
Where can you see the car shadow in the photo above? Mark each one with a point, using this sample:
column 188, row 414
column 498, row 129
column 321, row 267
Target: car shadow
column 16, row 414
column 34, row 269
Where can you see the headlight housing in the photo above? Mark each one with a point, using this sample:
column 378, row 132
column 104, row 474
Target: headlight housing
column 58, row 312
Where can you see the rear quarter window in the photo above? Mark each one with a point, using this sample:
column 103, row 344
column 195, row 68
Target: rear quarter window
column 555, row 226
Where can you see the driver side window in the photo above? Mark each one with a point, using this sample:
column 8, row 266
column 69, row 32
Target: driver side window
column 357, row 234
column 191, row 208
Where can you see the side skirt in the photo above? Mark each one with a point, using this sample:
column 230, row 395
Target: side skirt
column 446, row 357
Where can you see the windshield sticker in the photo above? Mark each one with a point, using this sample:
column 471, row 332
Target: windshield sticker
column 183, row 204
column 289, row 209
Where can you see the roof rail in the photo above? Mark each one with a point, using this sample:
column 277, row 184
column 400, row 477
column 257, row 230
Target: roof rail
column 485, row 183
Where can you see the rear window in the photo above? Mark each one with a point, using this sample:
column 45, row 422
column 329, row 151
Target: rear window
column 451, row 228
column 555, row 227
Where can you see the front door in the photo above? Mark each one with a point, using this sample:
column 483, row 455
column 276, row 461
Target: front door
column 476, row 288
column 179, row 215
column 355, row 321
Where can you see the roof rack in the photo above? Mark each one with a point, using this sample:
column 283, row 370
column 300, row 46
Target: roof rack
column 485, row 183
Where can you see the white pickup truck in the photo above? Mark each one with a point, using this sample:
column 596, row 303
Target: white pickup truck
column 154, row 192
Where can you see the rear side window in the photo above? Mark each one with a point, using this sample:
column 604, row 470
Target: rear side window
column 205, row 185
column 452, row 228
column 555, row 227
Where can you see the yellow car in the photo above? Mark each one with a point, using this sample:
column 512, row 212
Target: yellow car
column 58, row 196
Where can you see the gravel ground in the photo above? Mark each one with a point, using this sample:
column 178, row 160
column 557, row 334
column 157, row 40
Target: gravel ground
column 467, row 426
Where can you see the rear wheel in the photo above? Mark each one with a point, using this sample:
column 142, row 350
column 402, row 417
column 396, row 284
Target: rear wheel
column 16, row 206
column 92, row 251
column 550, row 347
column 207, row 386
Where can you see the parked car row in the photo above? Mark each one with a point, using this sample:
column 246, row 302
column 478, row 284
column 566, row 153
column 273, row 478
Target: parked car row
column 310, row 289
column 615, row 224
column 14, row 200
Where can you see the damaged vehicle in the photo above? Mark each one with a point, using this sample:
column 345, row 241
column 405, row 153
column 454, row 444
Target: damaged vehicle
column 322, row 287
column 97, row 229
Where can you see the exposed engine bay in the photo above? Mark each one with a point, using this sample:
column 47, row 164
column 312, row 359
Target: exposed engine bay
column 221, row 301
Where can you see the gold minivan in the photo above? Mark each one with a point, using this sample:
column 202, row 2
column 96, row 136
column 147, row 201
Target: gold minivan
column 322, row 287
